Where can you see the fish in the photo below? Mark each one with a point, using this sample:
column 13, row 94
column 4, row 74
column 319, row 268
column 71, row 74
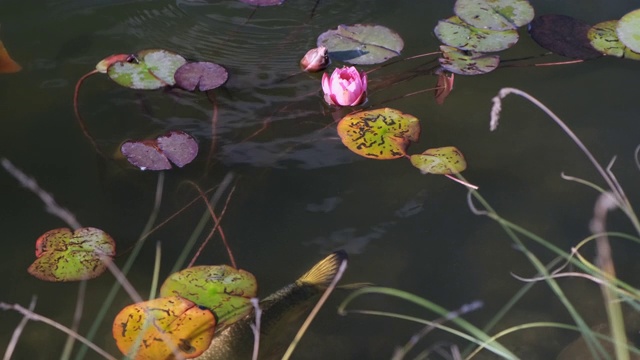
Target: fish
column 279, row 311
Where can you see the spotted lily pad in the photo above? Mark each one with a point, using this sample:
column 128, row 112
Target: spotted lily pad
column 176, row 146
column 495, row 14
column 201, row 75
column 446, row 160
column 457, row 33
column 467, row 62
column 361, row 44
column 629, row 30
column 148, row 69
column 154, row 329
column 263, row 2
column 65, row 255
column 563, row 35
column 379, row 134
column 604, row 38
column 222, row 289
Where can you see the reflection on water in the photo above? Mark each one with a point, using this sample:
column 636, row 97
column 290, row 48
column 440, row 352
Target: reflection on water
column 298, row 190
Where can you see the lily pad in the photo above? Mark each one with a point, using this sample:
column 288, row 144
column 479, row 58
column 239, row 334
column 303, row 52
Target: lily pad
column 148, row 69
column 379, row 134
column 220, row 288
column 563, row 35
column 176, row 146
column 263, row 2
column 179, row 147
column 65, row 255
column 467, row 62
column 7, row 64
column 457, row 33
column 604, row 38
column 361, row 44
column 201, row 75
column 153, row 329
column 495, row 14
column 446, row 160
column 629, row 30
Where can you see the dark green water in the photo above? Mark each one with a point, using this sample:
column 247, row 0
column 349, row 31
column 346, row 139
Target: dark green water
column 299, row 192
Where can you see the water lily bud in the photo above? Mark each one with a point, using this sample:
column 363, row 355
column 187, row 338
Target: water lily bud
column 345, row 87
column 315, row 59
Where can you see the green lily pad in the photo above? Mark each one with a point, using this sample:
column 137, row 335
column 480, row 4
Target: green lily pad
column 446, row 160
column 379, row 134
column 563, row 35
column 361, row 44
column 457, row 33
column 152, row 329
column 495, row 14
column 467, row 62
column 147, row 70
column 63, row 255
column 222, row 289
column 629, row 30
column 604, row 38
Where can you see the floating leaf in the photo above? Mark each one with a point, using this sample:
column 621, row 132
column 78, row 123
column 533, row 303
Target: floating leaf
column 63, row 255
column 457, row 33
column 361, row 44
column 7, row 64
column 379, row 134
column 176, row 146
column 154, row 329
column 203, row 75
column 467, row 63
column 148, row 69
column 494, row 14
column 563, row 35
column 629, row 30
column 442, row 161
column 444, row 86
column 604, row 38
column 263, row 2
column 222, row 289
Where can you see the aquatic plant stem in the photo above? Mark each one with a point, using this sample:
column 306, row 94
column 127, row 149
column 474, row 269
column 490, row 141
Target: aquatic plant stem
column 214, row 127
column 77, row 315
column 36, row 317
column 315, row 310
column 156, row 271
column 18, row 331
column 256, row 327
column 76, row 109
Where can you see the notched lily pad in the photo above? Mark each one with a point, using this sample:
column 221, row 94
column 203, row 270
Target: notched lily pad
column 361, row 44
column 154, row 154
column 379, row 134
column 457, row 33
column 152, row 329
column 222, row 289
column 263, row 2
column 563, row 35
column 201, row 75
column 467, row 62
column 604, row 38
column 63, row 255
column 147, row 70
column 446, row 160
column 629, row 30
column 179, row 147
column 495, row 14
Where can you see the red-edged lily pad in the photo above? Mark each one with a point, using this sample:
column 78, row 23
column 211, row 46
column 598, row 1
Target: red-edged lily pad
column 65, row 255
column 160, row 328
column 7, row 64
column 446, row 160
column 176, row 146
column 379, row 134
column 201, row 75
column 563, row 35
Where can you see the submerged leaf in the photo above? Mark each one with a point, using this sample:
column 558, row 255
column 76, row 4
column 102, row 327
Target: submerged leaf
column 604, row 38
column 494, row 14
column 63, row 255
column 629, row 30
column 148, row 69
column 156, row 328
column 442, row 161
column 563, row 35
column 202, row 75
column 457, row 33
column 444, row 86
column 379, row 134
column 361, row 44
column 220, row 288
column 467, row 62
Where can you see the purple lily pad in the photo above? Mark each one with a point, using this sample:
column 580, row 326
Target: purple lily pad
column 179, row 147
column 202, row 75
column 263, row 2
column 563, row 35
column 146, row 156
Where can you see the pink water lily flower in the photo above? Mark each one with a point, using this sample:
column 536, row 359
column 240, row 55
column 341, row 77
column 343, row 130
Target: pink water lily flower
column 345, row 87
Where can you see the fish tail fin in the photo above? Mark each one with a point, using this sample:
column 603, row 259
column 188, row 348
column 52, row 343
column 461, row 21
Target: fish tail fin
column 322, row 273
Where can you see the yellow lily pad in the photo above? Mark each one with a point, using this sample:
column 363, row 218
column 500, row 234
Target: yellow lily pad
column 446, row 160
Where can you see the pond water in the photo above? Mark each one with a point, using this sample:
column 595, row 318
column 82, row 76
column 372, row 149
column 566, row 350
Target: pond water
column 299, row 193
